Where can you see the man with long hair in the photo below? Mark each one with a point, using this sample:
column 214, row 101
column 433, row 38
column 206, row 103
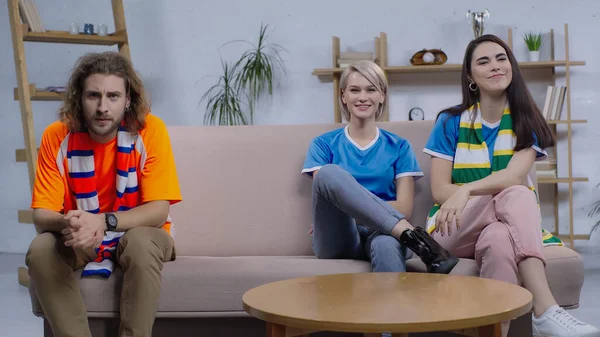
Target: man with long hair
column 104, row 184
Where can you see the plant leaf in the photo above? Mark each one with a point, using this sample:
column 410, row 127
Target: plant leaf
column 243, row 82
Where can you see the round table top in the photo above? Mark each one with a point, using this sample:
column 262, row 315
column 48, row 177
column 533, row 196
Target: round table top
column 387, row 302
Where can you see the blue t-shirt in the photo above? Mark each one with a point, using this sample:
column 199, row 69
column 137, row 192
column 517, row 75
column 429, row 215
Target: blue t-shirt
column 375, row 166
column 443, row 144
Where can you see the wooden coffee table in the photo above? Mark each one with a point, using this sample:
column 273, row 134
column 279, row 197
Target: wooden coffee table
column 399, row 303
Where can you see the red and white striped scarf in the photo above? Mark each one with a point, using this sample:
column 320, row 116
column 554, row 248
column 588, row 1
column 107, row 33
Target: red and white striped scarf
column 84, row 185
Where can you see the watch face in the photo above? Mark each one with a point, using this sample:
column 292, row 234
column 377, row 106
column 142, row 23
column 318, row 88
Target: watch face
column 112, row 221
column 416, row 114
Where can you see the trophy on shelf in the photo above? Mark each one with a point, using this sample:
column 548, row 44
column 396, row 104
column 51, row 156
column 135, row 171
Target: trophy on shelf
column 477, row 19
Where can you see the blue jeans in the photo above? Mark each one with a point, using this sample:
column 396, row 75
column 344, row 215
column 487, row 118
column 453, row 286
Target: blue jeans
column 350, row 222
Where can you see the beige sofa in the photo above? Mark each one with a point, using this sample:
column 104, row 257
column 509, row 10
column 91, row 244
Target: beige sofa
column 244, row 222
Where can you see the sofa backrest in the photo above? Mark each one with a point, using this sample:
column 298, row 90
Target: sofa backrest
column 243, row 193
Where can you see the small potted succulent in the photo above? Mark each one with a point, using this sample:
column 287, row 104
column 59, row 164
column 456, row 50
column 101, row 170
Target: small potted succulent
column 533, row 42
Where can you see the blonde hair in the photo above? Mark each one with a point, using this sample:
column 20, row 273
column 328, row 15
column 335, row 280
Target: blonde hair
column 373, row 73
column 106, row 63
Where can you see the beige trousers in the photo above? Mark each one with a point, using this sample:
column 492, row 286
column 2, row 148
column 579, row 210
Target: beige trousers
column 141, row 253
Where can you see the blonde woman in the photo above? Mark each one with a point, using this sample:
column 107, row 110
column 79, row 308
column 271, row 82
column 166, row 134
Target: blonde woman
column 363, row 184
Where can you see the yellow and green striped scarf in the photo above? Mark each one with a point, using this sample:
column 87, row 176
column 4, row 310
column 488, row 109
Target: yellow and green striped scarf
column 472, row 163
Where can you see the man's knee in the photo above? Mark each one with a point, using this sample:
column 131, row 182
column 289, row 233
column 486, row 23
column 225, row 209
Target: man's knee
column 41, row 249
column 136, row 247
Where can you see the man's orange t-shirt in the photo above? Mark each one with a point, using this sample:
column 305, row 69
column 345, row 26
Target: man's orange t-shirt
column 157, row 175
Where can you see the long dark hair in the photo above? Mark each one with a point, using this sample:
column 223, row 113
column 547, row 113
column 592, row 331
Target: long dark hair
column 526, row 116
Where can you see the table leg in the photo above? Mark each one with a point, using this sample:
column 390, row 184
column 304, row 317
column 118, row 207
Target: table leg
column 275, row 330
column 494, row 330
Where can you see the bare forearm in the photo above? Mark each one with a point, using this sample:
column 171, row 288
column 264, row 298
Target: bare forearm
column 514, row 174
column 494, row 183
column 444, row 193
column 489, row 185
column 46, row 220
column 152, row 214
column 402, row 206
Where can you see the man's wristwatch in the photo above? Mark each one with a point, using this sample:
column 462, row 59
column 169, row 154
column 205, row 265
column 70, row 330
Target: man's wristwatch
column 111, row 221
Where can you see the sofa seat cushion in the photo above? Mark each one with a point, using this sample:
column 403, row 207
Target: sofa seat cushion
column 209, row 284
column 197, row 284
column 564, row 271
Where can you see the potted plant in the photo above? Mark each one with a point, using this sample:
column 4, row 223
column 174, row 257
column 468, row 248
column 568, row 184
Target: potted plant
column 224, row 105
column 533, row 42
column 239, row 88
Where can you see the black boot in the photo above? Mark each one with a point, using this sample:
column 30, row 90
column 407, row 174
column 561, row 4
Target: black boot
column 436, row 258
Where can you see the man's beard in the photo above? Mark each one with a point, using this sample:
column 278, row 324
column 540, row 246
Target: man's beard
column 102, row 131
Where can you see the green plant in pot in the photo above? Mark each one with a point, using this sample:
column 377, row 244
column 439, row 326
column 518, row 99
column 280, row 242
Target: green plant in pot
column 239, row 89
column 224, row 100
column 533, row 42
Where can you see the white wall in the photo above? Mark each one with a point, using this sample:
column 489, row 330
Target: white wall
column 174, row 46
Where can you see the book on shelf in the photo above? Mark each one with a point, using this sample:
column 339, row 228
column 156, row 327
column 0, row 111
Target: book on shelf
column 30, row 15
column 554, row 102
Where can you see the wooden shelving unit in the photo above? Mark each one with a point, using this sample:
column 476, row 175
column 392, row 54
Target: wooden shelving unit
column 40, row 95
column 26, row 92
column 446, row 68
column 574, row 121
column 53, row 36
column 561, row 180
column 335, row 72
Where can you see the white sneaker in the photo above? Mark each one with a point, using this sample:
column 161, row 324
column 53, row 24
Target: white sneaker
column 556, row 322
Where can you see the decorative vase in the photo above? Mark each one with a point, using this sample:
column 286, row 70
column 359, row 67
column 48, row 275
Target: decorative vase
column 534, row 56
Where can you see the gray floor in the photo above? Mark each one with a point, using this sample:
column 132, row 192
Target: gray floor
column 16, row 318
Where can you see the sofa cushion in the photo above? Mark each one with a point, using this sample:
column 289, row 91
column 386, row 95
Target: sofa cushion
column 212, row 284
column 209, row 284
column 564, row 271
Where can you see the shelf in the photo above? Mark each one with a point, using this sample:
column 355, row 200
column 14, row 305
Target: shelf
column 20, row 156
column 25, row 216
column 566, row 237
column 54, row 36
column 573, row 121
column 561, row 180
column 448, row 68
column 40, row 95
column 23, row 276
column 424, row 69
column 549, row 64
